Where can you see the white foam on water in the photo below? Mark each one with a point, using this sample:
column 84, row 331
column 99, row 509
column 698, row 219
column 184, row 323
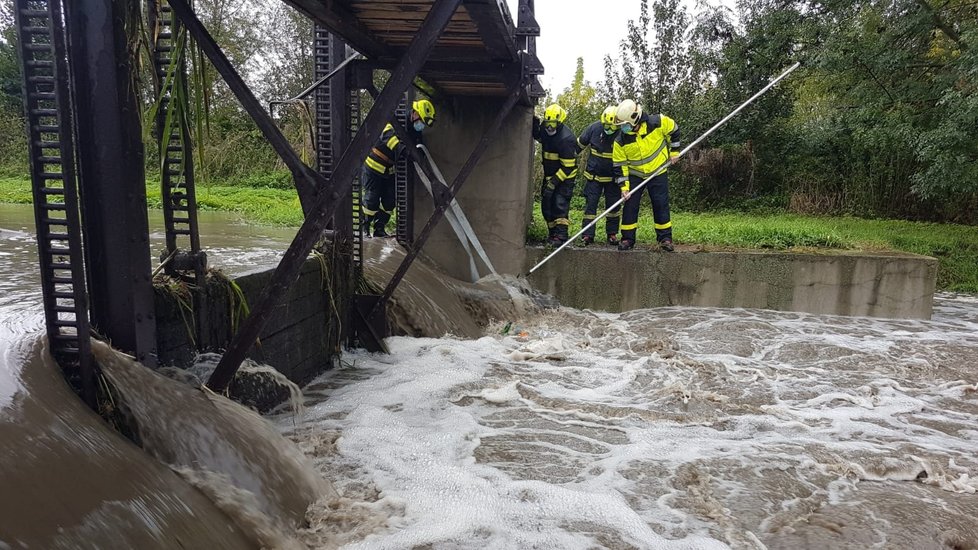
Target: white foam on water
column 673, row 427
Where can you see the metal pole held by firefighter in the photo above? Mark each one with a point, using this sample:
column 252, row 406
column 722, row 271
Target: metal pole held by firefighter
column 666, row 165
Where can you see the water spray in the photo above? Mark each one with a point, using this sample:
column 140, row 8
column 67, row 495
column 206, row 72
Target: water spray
column 665, row 165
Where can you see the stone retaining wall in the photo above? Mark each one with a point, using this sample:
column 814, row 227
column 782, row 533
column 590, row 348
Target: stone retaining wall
column 302, row 336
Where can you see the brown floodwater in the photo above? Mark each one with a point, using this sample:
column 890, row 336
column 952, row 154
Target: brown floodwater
column 498, row 423
column 659, row 428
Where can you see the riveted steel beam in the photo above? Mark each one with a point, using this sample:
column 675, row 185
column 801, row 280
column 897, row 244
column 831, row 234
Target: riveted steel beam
column 112, row 178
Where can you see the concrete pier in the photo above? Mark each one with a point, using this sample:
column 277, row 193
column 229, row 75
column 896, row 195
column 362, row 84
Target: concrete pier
column 889, row 284
column 496, row 198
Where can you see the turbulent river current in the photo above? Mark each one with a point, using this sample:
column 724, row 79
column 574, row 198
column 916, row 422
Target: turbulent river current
column 569, row 429
column 660, row 428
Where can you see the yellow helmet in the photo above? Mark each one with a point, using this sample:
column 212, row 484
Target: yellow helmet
column 554, row 115
column 608, row 117
column 628, row 111
column 425, row 110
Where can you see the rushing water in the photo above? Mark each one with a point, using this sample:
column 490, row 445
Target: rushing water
column 659, row 428
column 672, row 427
column 231, row 244
column 210, row 475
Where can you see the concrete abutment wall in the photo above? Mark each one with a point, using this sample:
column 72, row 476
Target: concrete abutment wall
column 841, row 283
column 497, row 196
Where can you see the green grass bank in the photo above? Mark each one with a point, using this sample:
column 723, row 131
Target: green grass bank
column 955, row 246
column 268, row 205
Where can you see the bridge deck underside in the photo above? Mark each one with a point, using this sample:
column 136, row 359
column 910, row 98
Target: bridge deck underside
column 476, row 54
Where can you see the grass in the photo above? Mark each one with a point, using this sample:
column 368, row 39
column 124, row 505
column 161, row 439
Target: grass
column 267, row 205
column 15, row 190
column 955, row 246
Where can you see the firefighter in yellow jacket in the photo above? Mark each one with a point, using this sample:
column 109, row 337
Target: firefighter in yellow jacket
column 377, row 176
column 559, row 170
column 645, row 144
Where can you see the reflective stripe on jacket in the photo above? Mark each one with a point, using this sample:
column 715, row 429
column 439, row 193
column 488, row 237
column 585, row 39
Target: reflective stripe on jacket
column 599, row 166
column 650, row 145
column 384, row 154
column 559, row 152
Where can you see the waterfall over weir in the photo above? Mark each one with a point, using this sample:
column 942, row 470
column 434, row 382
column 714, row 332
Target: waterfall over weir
column 69, row 481
column 211, row 474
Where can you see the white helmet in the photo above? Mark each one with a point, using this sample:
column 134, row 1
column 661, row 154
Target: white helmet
column 628, row 111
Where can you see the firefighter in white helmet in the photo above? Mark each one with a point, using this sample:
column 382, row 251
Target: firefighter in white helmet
column 645, row 144
column 377, row 176
column 559, row 170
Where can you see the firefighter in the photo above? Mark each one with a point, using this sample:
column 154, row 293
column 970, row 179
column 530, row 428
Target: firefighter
column 645, row 143
column 599, row 176
column 559, row 170
column 377, row 175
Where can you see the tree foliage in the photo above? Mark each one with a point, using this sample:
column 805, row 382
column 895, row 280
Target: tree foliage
column 581, row 101
column 13, row 144
column 881, row 120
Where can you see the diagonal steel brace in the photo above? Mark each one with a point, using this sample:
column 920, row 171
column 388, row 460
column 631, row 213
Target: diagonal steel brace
column 327, row 202
column 308, row 182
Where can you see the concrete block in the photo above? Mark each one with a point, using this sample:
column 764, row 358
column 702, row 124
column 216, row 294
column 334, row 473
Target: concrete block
column 301, row 339
column 496, row 198
column 837, row 282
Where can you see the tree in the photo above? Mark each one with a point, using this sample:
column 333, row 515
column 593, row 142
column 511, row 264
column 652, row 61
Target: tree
column 581, row 101
column 13, row 138
column 651, row 72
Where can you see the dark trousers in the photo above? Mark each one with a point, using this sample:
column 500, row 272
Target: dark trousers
column 378, row 200
column 555, row 205
column 592, row 196
column 658, row 189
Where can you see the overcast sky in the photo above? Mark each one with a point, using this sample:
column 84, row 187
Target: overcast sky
column 578, row 28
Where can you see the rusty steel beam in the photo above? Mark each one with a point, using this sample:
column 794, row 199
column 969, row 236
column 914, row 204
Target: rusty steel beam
column 443, row 202
column 327, row 202
column 111, row 173
column 307, row 181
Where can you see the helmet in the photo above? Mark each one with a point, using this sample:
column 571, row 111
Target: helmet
column 628, row 111
column 608, row 117
column 554, row 115
column 425, row 110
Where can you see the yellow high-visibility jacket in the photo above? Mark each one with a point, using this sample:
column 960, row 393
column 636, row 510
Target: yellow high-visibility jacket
column 645, row 149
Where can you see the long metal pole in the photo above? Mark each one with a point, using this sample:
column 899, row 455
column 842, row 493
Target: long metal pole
column 666, row 165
